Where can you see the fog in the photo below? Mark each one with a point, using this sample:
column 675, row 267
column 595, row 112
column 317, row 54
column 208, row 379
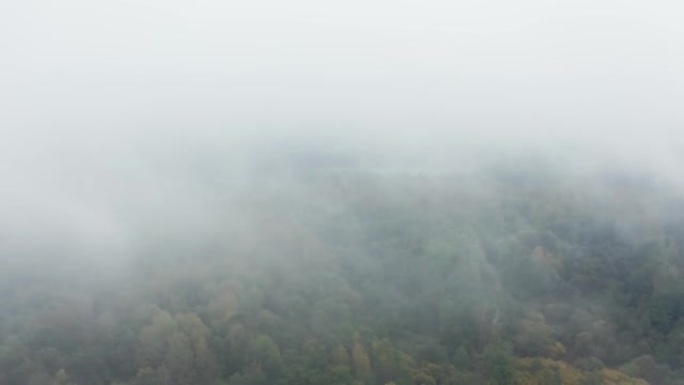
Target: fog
column 135, row 129
column 134, row 106
column 97, row 92
column 606, row 70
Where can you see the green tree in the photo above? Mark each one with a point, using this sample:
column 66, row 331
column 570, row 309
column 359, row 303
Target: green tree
column 499, row 358
column 265, row 353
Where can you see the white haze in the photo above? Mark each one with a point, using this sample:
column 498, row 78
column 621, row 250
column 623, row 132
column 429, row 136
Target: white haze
column 102, row 103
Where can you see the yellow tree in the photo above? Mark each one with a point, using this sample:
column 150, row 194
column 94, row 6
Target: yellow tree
column 361, row 360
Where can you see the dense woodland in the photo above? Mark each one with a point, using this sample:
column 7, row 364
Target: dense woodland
column 339, row 275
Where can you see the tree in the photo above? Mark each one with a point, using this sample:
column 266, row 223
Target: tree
column 499, row 360
column 265, row 354
column 360, row 359
column 154, row 338
column 61, row 378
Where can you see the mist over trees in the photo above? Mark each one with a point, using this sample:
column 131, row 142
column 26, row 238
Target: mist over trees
column 364, row 192
column 318, row 270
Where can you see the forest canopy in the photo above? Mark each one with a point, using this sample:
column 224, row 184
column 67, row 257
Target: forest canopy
column 332, row 273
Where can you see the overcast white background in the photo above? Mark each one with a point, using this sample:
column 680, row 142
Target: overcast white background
column 510, row 67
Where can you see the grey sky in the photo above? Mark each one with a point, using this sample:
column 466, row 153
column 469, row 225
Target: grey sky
column 512, row 68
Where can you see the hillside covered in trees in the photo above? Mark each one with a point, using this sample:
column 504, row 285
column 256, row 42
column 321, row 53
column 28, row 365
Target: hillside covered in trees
column 339, row 275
